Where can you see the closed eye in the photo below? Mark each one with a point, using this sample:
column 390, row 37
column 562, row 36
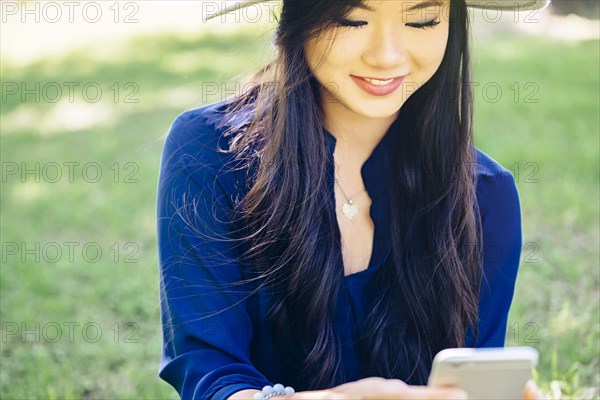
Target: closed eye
column 347, row 23
column 424, row 25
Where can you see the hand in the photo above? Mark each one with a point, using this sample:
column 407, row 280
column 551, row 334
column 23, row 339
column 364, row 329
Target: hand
column 532, row 392
column 377, row 388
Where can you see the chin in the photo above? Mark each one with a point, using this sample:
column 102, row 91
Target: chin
column 380, row 112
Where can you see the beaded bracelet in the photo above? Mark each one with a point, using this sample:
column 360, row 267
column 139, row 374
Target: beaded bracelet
column 270, row 391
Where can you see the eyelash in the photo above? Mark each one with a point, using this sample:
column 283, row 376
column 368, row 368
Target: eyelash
column 346, row 23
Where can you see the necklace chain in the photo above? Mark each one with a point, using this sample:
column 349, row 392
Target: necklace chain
column 348, row 199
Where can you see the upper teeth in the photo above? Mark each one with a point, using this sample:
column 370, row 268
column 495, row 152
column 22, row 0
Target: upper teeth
column 379, row 82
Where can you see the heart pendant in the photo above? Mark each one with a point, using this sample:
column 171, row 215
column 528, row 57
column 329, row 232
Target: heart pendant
column 350, row 210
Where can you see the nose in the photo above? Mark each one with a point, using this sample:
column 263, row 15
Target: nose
column 386, row 48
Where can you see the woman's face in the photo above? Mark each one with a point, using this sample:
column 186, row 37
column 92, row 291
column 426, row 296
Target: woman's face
column 385, row 42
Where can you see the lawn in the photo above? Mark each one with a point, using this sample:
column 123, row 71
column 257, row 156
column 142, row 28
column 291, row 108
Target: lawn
column 79, row 277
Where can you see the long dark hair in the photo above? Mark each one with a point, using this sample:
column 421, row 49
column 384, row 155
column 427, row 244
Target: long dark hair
column 427, row 292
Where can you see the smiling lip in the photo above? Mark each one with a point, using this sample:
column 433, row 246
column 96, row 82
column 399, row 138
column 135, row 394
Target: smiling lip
column 378, row 90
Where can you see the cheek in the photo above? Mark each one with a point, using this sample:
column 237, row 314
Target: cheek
column 311, row 54
column 328, row 60
column 317, row 60
column 428, row 56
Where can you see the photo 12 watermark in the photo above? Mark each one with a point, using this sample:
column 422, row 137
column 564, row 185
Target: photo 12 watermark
column 69, row 252
column 119, row 12
column 70, row 91
column 411, row 12
column 68, row 331
column 70, row 171
column 489, row 92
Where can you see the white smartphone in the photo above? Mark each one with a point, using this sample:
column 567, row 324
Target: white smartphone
column 485, row 373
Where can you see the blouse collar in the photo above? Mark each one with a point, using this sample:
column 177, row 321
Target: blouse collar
column 377, row 166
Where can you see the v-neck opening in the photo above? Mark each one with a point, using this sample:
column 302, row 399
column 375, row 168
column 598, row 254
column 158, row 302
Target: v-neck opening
column 373, row 249
column 377, row 256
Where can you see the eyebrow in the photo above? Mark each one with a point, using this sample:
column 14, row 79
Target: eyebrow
column 418, row 6
column 425, row 4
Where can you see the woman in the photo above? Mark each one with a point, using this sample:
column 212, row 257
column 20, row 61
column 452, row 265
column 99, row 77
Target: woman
column 334, row 227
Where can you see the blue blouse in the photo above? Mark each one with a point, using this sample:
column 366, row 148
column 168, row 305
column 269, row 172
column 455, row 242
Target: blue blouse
column 230, row 348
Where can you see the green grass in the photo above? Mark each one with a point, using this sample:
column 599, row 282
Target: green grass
column 550, row 142
column 557, row 290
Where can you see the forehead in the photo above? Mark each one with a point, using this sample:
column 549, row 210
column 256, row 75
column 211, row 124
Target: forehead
column 401, row 5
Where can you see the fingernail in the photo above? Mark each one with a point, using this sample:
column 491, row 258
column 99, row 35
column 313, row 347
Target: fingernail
column 460, row 395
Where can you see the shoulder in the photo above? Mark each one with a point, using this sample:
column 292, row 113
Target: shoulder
column 197, row 137
column 491, row 173
column 197, row 128
column 202, row 119
column 195, row 151
column 497, row 190
column 488, row 169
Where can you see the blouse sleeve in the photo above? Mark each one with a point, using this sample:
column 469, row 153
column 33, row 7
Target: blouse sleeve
column 502, row 243
column 205, row 324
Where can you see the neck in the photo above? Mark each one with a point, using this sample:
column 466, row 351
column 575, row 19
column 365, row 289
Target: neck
column 356, row 138
column 354, row 133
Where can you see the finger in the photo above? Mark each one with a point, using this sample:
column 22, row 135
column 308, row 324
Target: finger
column 434, row 393
column 393, row 389
column 532, row 392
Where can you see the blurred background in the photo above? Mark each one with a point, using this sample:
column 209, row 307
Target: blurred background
column 89, row 89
